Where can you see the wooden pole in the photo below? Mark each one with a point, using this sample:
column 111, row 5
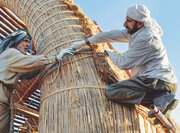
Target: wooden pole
column 162, row 118
column 12, row 111
column 14, row 18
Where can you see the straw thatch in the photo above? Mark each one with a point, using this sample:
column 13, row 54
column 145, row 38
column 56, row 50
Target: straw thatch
column 73, row 98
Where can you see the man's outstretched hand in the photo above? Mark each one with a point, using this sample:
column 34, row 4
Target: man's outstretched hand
column 65, row 52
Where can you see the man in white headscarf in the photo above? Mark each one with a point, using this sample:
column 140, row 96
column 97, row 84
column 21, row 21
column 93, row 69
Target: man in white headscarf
column 152, row 74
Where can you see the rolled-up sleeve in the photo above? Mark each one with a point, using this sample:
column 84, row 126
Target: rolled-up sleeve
column 111, row 36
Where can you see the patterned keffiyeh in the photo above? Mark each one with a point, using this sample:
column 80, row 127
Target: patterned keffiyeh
column 14, row 39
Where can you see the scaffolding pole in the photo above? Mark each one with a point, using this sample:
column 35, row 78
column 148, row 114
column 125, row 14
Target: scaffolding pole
column 12, row 111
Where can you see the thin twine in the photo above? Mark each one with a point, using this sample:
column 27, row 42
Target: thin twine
column 60, row 65
column 31, row 20
column 54, row 47
column 72, row 88
column 56, row 74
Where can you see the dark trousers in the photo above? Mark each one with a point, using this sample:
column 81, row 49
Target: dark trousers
column 135, row 90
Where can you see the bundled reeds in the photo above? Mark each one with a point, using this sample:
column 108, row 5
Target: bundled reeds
column 73, row 91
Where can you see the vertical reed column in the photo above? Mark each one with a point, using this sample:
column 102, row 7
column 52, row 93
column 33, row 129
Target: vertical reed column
column 73, row 92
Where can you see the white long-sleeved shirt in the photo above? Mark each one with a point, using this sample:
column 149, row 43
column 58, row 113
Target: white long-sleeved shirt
column 146, row 55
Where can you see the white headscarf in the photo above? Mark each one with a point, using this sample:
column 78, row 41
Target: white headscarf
column 141, row 13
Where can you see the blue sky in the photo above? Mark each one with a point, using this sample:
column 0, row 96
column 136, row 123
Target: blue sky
column 110, row 14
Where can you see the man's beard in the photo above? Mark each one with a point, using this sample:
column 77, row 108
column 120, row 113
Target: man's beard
column 25, row 51
column 132, row 31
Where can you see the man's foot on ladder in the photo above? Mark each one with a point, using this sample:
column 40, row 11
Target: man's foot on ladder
column 167, row 111
column 161, row 102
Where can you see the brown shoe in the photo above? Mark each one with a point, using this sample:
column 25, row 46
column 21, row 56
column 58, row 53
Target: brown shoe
column 168, row 110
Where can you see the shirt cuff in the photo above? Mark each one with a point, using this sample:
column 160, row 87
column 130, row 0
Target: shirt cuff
column 111, row 54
